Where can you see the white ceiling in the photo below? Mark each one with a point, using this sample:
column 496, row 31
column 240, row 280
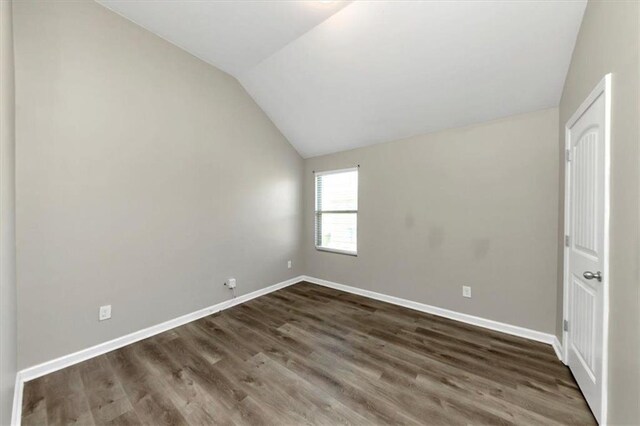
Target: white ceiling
column 233, row 35
column 338, row 75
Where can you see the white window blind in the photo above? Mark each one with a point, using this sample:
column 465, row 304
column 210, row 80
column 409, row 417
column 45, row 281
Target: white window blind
column 337, row 211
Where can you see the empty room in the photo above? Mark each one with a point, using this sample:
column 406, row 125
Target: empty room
column 319, row 212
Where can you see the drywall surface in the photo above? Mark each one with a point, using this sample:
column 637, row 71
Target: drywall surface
column 608, row 42
column 145, row 178
column 472, row 206
column 8, row 312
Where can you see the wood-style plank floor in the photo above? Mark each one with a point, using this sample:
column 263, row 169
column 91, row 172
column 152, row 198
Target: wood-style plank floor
column 312, row 355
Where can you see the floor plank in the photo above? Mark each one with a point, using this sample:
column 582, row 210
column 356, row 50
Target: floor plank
column 312, row 355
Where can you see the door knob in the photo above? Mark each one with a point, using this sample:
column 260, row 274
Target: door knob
column 590, row 275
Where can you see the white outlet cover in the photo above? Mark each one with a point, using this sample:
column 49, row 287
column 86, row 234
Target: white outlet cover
column 105, row 312
column 289, row 264
column 466, row 291
column 231, row 283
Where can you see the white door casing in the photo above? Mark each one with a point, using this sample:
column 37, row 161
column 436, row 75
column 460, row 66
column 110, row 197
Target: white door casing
column 586, row 263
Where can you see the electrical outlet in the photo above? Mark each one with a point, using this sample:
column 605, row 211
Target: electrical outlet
column 289, row 264
column 105, row 312
column 231, row 283
column 466, row 291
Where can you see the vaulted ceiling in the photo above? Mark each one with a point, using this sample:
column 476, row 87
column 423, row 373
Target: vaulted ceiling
column 335, row 75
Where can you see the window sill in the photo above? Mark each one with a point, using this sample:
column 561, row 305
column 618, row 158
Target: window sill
column 338, row 251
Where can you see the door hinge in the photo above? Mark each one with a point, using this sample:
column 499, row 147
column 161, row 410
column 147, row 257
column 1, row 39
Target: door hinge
column 565, row 325
column 567, row 241
column 567, row 154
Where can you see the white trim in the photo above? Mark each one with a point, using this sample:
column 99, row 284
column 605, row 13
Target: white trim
column 557, row 347
column 338, row 251
column 602, row 88
column 16, row 410
column 513, row 330
column 102, row 348
column 330, row 172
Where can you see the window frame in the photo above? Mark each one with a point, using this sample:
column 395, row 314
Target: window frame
column 317, row 237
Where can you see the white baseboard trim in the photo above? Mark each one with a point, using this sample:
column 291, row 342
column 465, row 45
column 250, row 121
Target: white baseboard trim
column 102, row 348
column 68, row 360
column 513, row 330
column 557, row 346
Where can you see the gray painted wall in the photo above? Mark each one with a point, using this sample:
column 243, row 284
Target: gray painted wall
column 472, row 206
column 8, row 314
column 145, row 178
column 608, row 41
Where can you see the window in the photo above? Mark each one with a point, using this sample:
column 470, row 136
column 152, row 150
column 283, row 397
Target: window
column 337, row 211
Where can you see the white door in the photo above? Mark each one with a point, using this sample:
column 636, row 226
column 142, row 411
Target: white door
column 587, row 246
